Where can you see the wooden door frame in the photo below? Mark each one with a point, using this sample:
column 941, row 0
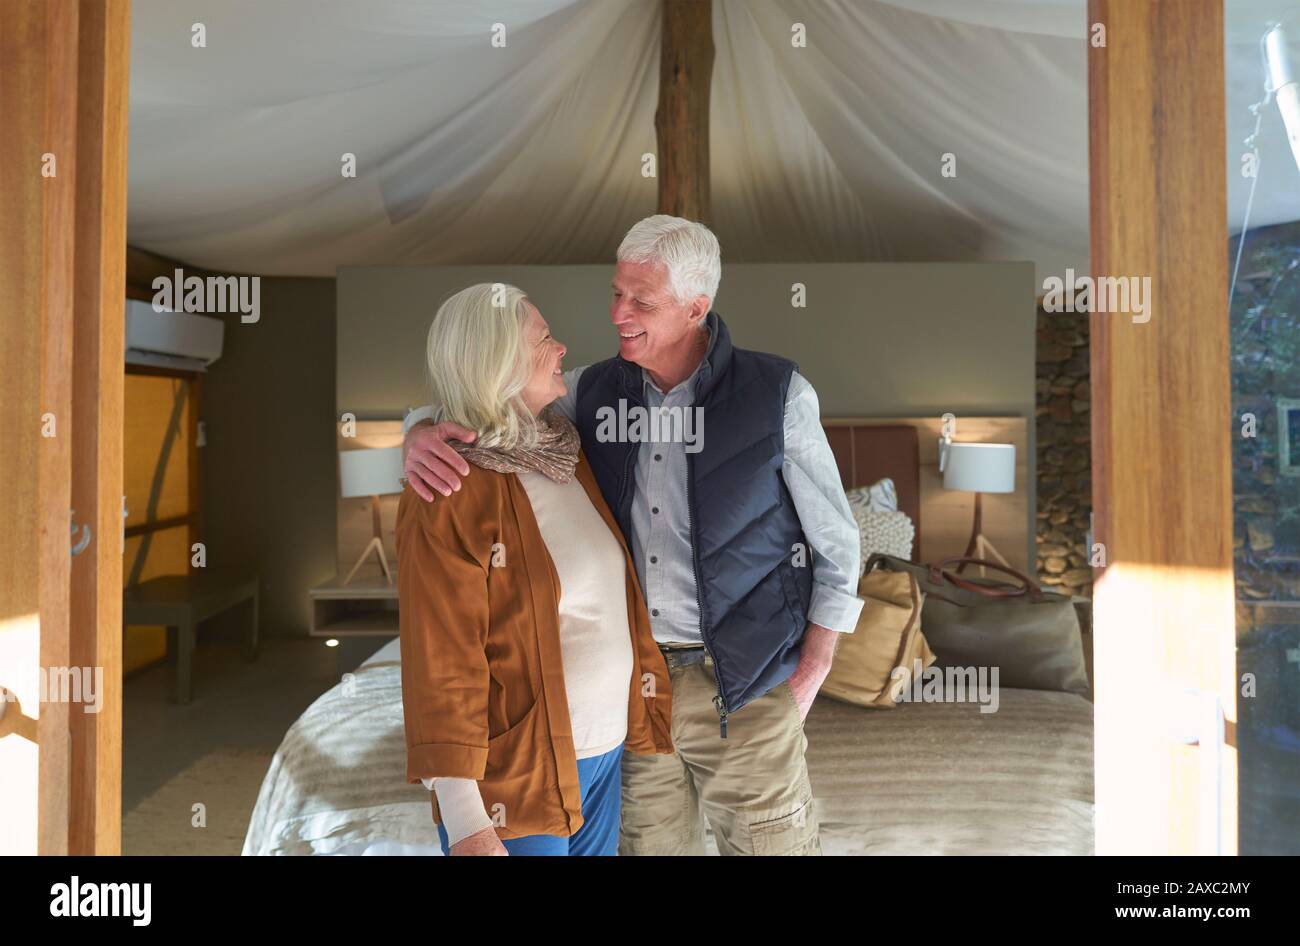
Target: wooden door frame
column 62, row 251
column 1161, row 422
column 98, row 343
column 38, row 98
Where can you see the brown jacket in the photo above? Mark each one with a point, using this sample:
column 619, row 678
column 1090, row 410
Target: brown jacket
column 482, row 679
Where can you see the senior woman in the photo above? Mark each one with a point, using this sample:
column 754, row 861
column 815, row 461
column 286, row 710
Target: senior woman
column 528, row 664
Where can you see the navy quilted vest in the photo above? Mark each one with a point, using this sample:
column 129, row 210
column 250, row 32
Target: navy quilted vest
column 753, row 598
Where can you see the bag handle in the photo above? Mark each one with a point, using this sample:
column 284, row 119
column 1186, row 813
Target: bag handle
column 1028, row 585
column 909, row 637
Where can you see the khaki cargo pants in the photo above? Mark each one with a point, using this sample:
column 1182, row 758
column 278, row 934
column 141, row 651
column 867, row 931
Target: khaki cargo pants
column 753, row 785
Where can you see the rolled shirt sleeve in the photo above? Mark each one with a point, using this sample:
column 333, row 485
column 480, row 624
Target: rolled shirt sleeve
column 415, row 415
column 813, row 479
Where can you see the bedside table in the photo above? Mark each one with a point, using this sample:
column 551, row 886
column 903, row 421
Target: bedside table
column 361, row 616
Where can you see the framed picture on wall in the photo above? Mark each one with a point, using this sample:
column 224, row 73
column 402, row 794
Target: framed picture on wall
column 1288, row 436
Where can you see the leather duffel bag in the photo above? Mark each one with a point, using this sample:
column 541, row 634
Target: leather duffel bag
column 1031, row 635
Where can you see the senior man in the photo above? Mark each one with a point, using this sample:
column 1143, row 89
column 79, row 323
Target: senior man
column 743, row 540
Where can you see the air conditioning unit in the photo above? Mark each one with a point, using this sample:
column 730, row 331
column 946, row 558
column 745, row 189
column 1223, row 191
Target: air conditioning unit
column 178, row 340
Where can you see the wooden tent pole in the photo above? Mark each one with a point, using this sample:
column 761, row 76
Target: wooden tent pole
column 682, row 118
column 1162, row 423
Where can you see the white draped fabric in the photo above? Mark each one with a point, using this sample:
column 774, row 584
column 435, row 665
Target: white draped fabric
column 533, row 152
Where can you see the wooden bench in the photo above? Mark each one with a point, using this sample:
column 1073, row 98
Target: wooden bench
column 181, row 603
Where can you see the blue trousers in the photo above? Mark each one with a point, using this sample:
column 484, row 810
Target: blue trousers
column 600, row 789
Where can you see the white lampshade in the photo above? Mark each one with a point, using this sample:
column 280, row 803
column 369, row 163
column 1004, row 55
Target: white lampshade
column 374, row 471
column 980, row 467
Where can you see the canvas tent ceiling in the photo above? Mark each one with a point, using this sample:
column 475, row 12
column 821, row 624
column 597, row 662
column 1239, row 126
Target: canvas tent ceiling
column 532, row 153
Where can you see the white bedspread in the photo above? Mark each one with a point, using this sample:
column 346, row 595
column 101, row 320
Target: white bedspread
column 337, row 784
column 921, row 779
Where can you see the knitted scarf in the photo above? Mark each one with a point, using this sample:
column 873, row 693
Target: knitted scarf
column 555, row 455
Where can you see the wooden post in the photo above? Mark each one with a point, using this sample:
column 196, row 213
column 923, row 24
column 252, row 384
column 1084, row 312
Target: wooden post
column 98, row 381
column 682, row 118
column 1161, row 423
column 62, row 238
column 38, row 150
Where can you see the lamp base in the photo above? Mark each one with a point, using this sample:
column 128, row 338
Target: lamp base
column 982, row 548
column 376, row 544
column 979, row 546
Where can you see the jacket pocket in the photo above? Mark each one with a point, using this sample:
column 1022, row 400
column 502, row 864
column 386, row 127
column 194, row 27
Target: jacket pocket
column 514, row 782
column 513, row 732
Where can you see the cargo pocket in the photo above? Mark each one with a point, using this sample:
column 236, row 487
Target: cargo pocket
column 793, row 831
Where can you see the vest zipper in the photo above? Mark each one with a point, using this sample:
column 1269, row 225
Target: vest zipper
column 624, row 511
column 624, row 504
column 719, row 702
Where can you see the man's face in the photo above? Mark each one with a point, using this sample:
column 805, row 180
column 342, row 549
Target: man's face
column 654, row 328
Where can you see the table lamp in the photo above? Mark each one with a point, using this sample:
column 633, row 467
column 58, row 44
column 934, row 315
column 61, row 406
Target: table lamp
column 980, row 468
column 372, row 472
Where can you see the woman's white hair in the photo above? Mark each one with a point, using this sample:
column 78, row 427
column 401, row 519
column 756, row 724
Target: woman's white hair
column 479, row 362
column 688, row 250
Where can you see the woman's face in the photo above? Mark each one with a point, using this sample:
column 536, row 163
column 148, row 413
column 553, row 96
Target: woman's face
column 546, row 382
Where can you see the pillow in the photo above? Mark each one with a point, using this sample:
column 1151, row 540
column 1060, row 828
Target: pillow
column 881, row 527
column 879, row 495
column 888, row 532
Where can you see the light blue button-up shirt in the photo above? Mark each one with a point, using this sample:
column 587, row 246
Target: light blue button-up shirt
column 661, row 536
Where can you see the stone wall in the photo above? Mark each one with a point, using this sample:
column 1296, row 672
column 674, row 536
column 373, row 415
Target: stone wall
column 1265, row 369
column 1063, row 422
column 1265, row 339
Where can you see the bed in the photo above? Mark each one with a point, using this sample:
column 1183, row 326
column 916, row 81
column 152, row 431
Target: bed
column 925, row 778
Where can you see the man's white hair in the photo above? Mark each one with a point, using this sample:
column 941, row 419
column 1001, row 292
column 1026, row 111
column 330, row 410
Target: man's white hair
column 688, row 250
